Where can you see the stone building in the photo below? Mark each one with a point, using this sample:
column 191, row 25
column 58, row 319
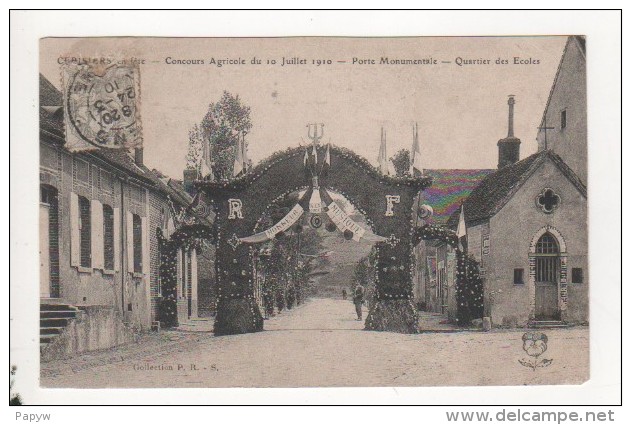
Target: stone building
column 100, row 214
column 527, row 222
column 563, row 126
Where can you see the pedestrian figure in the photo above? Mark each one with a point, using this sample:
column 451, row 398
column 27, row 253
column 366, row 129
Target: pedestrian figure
column 343, row 294
column 358, row 300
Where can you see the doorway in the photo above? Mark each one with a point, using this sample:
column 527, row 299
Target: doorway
column 547, row 278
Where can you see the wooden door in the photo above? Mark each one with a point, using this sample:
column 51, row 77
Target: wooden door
column 546, row 288
column 44, row 250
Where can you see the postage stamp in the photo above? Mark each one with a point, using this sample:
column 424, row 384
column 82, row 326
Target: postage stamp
column 100, row 106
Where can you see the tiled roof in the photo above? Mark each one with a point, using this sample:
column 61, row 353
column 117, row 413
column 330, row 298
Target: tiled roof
column 48, row 94
column 449, row 189
column 497, row 188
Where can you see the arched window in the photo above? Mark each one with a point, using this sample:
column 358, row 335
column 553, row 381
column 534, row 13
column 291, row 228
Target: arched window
column 547, row 244
column 547, row 260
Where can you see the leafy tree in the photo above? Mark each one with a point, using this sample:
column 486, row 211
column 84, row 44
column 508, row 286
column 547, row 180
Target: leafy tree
column 221, row 127
column 401, row 161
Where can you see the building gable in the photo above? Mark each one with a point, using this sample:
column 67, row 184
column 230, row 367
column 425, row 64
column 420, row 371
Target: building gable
column 498, row 188
column 564, row 121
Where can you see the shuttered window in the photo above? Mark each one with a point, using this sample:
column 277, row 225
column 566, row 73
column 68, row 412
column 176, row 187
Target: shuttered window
column 137, row 232
column 85, row 235
column 108, row 237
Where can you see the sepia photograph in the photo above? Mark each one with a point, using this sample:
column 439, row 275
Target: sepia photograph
column 308, row 211
column 245, row 212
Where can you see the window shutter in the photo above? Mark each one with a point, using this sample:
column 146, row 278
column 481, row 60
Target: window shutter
column 75, row 245
column 130, row 242
column 145, row 246
column 96, row 209
column 117, row 238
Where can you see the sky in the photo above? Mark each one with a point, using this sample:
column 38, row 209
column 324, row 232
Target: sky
column 461, row 110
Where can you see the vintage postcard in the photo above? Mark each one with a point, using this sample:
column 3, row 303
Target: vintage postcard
column 313, row 212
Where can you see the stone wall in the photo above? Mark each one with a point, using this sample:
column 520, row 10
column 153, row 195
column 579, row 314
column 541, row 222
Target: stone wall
column 94, row 328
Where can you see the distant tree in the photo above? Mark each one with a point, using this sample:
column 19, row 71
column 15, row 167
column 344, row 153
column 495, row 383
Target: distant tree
column 221, row 127
column 401, row 161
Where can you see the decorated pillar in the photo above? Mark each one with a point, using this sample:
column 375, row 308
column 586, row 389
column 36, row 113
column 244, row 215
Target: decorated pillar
column 393, row 308
column 237, row 309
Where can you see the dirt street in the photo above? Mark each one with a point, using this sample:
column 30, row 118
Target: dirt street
column 320, row 344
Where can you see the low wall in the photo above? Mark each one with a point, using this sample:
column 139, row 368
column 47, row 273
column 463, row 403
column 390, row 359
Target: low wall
column 94, row 328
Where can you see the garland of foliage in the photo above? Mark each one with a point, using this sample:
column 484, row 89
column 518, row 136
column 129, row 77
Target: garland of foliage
column 186, row 237
column 244, row 181
column 469, row 289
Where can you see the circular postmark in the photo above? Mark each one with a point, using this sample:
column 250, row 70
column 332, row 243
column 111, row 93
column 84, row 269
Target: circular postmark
column 102, row 109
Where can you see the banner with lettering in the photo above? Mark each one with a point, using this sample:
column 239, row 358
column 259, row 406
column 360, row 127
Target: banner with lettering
column 343, row 222
column 285, row 223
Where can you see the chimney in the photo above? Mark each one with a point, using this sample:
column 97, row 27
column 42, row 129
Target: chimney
column 190, row 175
column 138, row 156
column 509, row 146
column 511, row 106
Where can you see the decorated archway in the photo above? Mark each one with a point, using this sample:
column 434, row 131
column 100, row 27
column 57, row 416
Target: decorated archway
column 189, row 227
column 387, row 202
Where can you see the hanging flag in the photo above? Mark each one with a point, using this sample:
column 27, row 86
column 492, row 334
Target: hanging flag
column 244, row 153
column 415, row 155
column 383, row 155
column 327, row 161
column 315, row 203
column 315, row 155
column 238, row 159
column 200, row 207
column 461, row 231
column 206, row 165
column 391, row 168
column 306, row 158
